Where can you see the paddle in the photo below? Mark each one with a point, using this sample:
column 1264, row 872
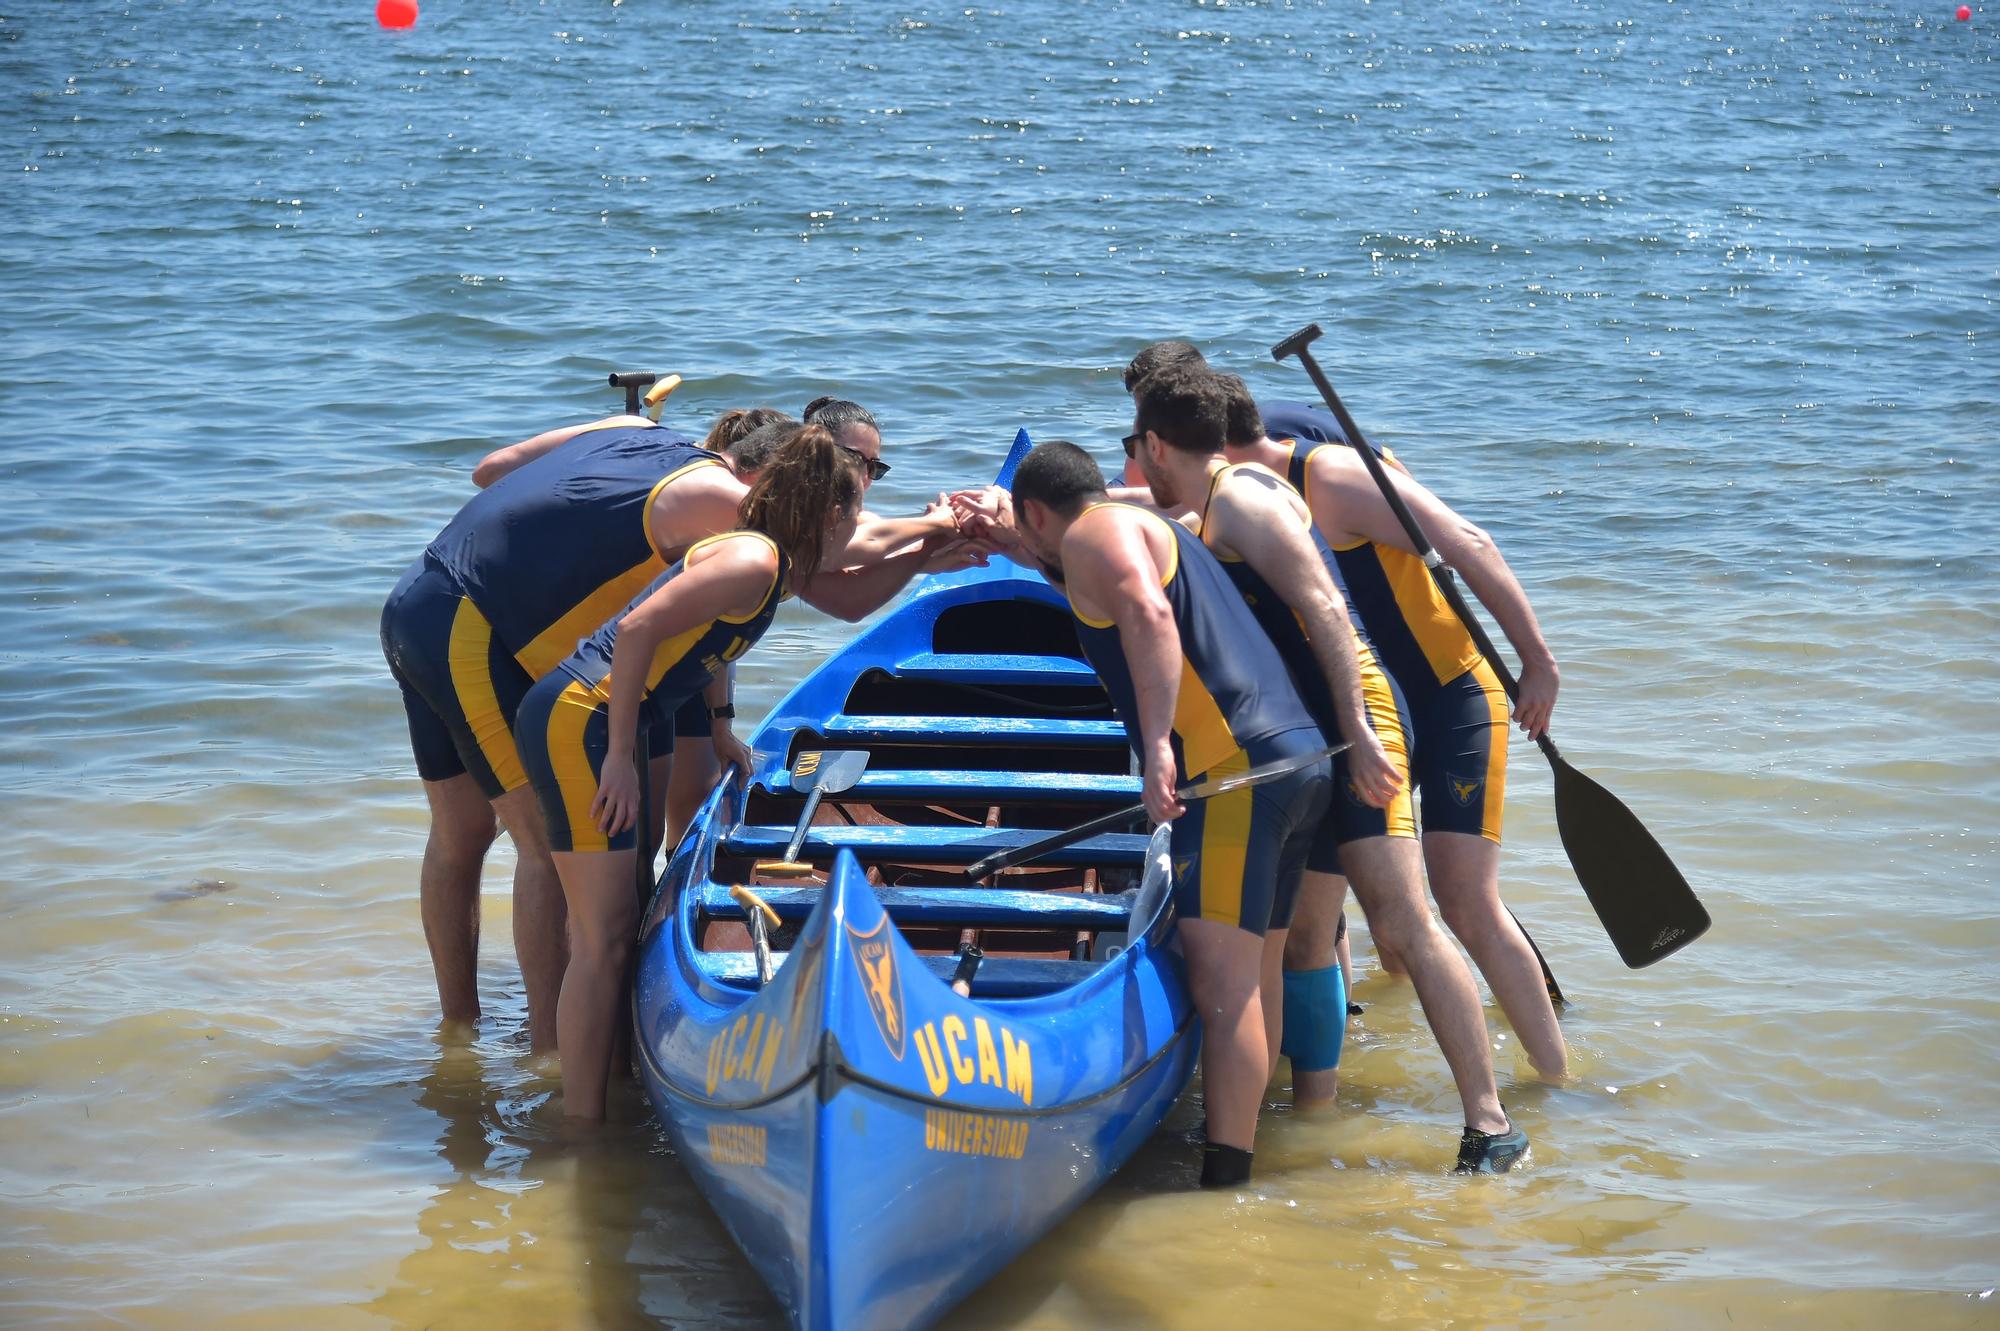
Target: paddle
column 762, row 920
column 832, row 771
column 657, row 387
column 1188, row 794
column 1644, row 904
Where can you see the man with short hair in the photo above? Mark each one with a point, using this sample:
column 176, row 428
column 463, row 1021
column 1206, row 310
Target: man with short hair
column 1265, row 539
column 1458, row 709
column 1201, row 694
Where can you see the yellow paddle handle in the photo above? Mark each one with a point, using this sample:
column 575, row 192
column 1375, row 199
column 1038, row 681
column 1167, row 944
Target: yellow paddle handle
column 750, row 901
column 656, row 396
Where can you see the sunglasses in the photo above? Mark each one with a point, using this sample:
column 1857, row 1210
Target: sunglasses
column 1131, row 442
column 875, row 467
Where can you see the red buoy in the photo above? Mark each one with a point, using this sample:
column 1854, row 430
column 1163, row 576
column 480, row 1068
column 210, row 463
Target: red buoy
column 1964, row 13
column 396, row 13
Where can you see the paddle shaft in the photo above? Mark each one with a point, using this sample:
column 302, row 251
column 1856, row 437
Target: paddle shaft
column 805, row 821
column 1194, row 790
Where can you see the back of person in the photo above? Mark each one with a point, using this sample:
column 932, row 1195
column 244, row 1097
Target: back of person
column 1234, row 690
column 552, row 550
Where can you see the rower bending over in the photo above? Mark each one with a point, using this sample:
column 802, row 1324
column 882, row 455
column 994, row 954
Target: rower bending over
column 581, row 723
column 1458, row 711
column 1198, row 687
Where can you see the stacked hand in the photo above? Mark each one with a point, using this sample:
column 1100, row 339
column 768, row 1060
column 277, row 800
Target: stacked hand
column 986, row 515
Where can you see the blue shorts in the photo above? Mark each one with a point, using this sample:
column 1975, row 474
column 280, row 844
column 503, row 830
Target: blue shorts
column 1461, row 753
column 1238, row 857
column 1349, row 817
column 461, row 688
column 691, row 721
column 564, row 730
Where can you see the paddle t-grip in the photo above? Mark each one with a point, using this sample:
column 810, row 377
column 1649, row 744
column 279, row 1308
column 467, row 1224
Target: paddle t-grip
column 632, row 381
column 1297, row 342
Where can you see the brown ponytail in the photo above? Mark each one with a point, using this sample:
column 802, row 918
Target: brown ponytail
column 733, row 424
column 809, row 484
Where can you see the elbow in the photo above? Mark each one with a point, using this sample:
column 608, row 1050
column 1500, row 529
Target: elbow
column 485, row 474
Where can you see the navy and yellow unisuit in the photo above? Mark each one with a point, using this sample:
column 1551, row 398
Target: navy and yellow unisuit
column 1458, row 711
column 553, row 550
column 1350, row 818
column 1237, row 857
column 563, row 726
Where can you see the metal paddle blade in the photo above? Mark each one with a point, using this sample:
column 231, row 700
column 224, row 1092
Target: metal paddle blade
column 831, row 770
column 1645, row 905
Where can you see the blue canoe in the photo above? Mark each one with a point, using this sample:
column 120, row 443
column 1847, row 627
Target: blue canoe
column 877, row 1145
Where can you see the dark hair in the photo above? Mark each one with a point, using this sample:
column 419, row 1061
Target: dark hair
column 1186, row 407
column 733, row 424
column 1245, row 423
column 1059, row 474
column 751, row 453
column 809, row 482
column 1158, row 357
column 836, row 414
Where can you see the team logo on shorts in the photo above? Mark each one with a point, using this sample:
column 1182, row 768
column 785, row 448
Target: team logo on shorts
column 1181, row 868
column 1464, row 789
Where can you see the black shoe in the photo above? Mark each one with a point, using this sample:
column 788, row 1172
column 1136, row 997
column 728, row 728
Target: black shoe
column 1354, row 1009
column 1491, row 1152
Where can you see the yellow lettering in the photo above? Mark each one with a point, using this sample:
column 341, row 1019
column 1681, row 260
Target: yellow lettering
column 989, row 1060
column 961, row 1067
column 773, row 1039
column 734, row 1053
column 933, row 1058
column 1020, row 1067
column 807, row 764
column 745, row 1064
column 736, row 1144
column 714, row 1063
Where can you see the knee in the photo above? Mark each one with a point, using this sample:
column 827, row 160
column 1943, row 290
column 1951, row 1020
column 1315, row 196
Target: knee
column 1472, row 920
column 463, row 835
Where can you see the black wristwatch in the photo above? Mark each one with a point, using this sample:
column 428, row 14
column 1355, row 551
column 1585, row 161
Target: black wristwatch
column 726, row 712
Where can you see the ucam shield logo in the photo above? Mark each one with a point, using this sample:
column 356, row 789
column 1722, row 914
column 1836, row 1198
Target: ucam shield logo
column 1465, row 789
column 875, row 958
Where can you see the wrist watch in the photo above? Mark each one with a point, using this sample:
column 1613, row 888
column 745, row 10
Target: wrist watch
column 726, row 712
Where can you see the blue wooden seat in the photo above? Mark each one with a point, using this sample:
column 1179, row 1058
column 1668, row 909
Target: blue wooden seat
column 999, row 787
column 995, row 668
column 999, row 977
column 932, row 845
column 972, row 907
column 1016, row 730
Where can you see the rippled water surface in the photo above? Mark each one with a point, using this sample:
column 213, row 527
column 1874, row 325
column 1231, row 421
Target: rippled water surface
column 1693, row 305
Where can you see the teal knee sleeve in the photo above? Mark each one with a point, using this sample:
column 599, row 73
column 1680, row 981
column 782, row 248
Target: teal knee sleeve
column 1315, row 1018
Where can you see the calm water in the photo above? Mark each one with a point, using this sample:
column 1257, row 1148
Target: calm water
column 1692, row 305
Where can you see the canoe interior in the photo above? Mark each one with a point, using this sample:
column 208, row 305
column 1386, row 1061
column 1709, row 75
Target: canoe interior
column 1001, row 729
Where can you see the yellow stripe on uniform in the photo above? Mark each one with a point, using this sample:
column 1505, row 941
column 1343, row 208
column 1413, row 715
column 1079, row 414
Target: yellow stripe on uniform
column 470, row 662
column 1198, row 720
column 1225, row 845
column 554, row 643
column 1496, row 760
column 1400, row 817
column 571, row 764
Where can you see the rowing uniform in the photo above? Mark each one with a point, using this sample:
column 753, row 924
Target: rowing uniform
column 564, row 720
column 1350, row 818
column 1238, row 856
column 1458, row 710
column 526, row 569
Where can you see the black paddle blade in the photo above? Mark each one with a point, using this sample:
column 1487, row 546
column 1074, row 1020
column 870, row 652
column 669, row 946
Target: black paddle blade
column 1305, row 337
column 1640, row 897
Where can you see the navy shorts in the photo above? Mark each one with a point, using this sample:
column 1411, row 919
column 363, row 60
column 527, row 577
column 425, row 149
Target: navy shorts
column 1349, row 817
column 691, row 721
column 564, row 729
column 1238, row 857
column 1461, row 753
column 461, row 688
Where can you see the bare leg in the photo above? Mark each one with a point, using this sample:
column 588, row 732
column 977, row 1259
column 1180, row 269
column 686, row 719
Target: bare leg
column 1225, row 974
column 604, row 914
column 695, row 770
column 448, row 890
column 1271, row 992
column 1387, row 876
column 1465, row 879
column 539, row 937
column 659, row 781
column 1311, row 947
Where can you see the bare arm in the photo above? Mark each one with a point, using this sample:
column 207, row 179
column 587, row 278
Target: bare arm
column 1114, row 572
column 503, row 460
column 733, row 579
column 877, row 538
column 854, row 594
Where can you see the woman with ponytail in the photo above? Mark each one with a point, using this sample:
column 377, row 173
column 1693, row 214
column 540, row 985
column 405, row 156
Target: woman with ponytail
column 581, row 724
